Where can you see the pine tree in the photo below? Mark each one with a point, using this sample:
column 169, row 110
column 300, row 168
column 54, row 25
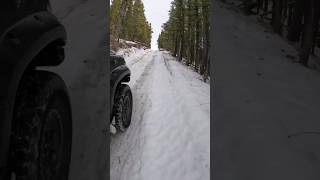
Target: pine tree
column 186, row 33
column 114, row 14
column 128, row 21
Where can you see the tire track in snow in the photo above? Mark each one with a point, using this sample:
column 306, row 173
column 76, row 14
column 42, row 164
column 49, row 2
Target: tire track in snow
column 181, row 71
column 138, row 68
column 166, row 62
column 186, row 128
column 138, row 59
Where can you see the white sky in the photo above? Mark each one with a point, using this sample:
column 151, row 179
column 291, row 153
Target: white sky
column 157, row 13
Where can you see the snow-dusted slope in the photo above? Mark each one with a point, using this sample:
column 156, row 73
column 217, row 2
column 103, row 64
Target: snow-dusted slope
column 260, row 98
column 84, row 71
column 169, row 137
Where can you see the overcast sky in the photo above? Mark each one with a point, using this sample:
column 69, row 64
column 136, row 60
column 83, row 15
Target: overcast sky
column 157, row 13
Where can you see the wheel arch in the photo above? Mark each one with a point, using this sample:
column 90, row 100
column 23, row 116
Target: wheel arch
column 22, row 46
column 123, row 77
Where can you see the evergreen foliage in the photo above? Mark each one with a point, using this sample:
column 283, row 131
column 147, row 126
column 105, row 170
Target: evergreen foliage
column 128, row 21
column 186, row 33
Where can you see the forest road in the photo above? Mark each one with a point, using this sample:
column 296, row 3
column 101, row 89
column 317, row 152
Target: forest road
column 169, row 134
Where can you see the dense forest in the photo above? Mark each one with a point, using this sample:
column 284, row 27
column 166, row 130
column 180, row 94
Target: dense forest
column 296, row 20
column 186, row 34
column 128, row 21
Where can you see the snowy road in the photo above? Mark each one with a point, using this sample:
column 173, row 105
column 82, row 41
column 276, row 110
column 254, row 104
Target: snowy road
column 169, row 137
column 260, row 98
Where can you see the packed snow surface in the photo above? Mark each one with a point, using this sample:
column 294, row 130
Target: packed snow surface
column 169, row 137
column 266, row 106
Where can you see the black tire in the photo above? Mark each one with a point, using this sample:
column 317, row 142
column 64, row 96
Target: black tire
column 42, row 128
column 123, row 107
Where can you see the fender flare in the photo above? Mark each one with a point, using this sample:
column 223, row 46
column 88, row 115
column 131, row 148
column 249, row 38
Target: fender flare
column 19, row 45
column 123, row 71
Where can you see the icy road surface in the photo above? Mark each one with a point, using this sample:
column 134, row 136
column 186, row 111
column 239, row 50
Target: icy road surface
column 169, row 137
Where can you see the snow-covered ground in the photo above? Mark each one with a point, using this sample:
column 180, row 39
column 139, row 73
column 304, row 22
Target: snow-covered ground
column 84, row 71
column 260, row 98
column 169, row 137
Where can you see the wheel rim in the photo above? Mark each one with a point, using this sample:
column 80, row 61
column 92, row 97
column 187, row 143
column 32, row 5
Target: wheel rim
column 51, row 146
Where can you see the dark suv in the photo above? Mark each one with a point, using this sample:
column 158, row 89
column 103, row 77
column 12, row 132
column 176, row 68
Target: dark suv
column 35, row 112
column 121, row 96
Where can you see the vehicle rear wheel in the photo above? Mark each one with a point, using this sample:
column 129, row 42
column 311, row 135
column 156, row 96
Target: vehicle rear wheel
column 42, row 128
column 123, row 107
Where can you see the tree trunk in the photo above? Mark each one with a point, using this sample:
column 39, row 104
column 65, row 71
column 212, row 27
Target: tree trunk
column 122, row 16
column 259, row 6
column 176, row 46
column 181, row 31
column 296, row 21
column 316, row 25
column 207, row 40
column 277, row 16
column 290, row 15
column 266, row 6
column 308, row 34
column 284, row 11
column 197, row 41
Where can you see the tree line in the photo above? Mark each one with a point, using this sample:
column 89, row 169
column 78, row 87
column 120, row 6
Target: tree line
column 186, row 34
column 297, row 20
column 128, row 21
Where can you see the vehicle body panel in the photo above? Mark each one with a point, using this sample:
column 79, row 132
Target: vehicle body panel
column 11, row 11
